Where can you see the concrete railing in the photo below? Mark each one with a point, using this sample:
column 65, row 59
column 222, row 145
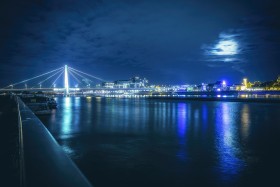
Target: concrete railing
column 44, row 163
column 21, row 148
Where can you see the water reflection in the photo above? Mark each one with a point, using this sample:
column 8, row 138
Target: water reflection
column 77, row 115
column 97, row 109
column 204, row 117
column 182, row 127
column 67, row 116
column 196, row 118
column 245, row 121
column 70, row 116
column 88, row 111
column 148, row 139
column 141, row 116
column 66, row 125
column 227, row 145
column 182, row 119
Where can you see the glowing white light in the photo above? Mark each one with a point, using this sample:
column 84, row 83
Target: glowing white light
column 226, row 47
column 66, row 83
column 67, row 116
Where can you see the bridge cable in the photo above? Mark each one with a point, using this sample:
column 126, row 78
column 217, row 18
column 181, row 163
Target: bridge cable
column 56, row 79
column 74, row 76
column 49, row 77
column 83, row 77
column 33, row 78
column 87, row 74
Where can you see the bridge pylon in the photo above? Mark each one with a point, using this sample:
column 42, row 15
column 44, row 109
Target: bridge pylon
column 66, row 80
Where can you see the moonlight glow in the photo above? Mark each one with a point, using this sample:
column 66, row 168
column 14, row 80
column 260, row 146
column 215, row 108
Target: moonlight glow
column 226, row 47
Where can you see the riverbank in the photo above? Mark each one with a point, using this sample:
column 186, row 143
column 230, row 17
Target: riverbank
column 224, row 99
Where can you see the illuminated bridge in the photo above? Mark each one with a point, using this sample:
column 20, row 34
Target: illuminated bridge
column 67, row 80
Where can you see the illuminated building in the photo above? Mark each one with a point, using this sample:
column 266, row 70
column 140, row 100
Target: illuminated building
column 245, row 83
column 134, row 82
column 108, row 84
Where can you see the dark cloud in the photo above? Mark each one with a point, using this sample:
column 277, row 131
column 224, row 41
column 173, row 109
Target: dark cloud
column 246, row 47
column 158, row 39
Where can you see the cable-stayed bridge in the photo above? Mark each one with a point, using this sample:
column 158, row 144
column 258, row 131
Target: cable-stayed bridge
column 65, row 80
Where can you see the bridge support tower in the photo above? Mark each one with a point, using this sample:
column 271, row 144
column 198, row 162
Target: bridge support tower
column 66, row 80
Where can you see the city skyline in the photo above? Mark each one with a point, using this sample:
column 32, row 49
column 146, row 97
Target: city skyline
column 67, row 77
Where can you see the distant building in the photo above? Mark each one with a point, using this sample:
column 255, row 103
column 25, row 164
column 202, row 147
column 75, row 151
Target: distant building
column 135, row 82
column 190, row 88
column 108, row 84
column 122, row 84
column 245, row 83
column 217, row 86
column 236, row 87
column 202, row 87
column 139, row 83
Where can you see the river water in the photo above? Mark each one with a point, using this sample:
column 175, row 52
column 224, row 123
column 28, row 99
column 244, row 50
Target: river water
column 145, row 142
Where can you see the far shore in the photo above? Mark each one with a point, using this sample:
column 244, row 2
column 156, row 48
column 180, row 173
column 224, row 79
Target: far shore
column 224, row 99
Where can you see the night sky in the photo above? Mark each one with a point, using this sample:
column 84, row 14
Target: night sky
column 166, row 41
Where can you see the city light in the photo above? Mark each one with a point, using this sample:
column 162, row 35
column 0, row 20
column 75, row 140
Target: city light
column 135, row 84
column 245, row 82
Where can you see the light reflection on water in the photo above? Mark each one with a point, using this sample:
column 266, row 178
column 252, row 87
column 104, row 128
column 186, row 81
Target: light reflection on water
column 182, row 127
column 245, row 121
column 204, row 118
column 67, row 116
column 187, row 141
column 227, row 145
column 66, row 125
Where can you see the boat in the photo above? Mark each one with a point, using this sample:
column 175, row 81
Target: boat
column 40, row 105
column 39, row 108
column 40, row 99
column 52, row 103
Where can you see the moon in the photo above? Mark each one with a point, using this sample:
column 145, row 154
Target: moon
column 226, row 47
